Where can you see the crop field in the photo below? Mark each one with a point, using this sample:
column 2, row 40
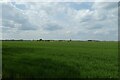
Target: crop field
column 39, row 59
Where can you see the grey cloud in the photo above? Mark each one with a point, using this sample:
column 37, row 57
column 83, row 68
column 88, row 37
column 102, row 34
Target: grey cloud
column 90, row 35
column 52, row 27
column 85, row 19
column 105, row 5
column 97, row 26
column 111, row 5
column 11, row 14
column 27, row 26
column 113, row 32
column 101, row 17
column 8, row 23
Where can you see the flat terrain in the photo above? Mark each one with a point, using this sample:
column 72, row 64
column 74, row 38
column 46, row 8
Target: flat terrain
column 34, row 59
column 0, row 59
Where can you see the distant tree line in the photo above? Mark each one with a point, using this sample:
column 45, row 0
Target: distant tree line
column 48, row 40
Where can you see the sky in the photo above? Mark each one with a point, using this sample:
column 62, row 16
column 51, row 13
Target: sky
column 60, row 20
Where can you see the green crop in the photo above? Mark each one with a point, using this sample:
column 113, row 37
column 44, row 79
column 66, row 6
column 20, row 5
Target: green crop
column 75, row 59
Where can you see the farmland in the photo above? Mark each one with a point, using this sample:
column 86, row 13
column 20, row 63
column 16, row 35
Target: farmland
column 38, row 59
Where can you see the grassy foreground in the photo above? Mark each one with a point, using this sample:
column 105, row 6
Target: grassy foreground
column 32, row 59
column 0, row 59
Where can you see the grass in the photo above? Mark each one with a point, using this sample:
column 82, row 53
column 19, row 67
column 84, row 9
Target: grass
column 32, row 59
column 0, row 59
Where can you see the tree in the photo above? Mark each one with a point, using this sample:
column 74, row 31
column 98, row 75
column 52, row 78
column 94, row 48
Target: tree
column 40, row 40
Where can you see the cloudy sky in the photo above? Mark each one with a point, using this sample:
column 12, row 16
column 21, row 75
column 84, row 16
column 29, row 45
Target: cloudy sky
column 62, row 20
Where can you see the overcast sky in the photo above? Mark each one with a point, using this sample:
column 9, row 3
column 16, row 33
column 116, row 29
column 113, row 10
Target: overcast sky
column 62, row 20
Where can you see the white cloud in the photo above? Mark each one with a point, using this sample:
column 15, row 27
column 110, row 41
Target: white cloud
column 60, row 21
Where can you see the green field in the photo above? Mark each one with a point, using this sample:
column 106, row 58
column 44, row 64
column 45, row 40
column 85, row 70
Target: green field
column 34, row 59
